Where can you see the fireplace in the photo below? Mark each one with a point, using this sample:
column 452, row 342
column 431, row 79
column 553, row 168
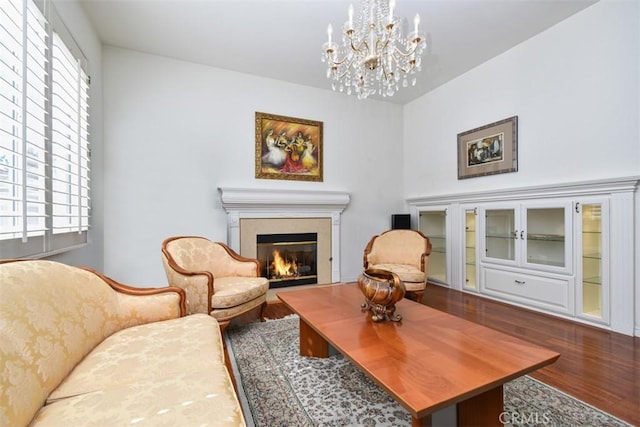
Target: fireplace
column 253, row 212
column 288, row 259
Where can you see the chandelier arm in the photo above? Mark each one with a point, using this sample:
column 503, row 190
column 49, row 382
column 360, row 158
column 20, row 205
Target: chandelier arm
column 358, row 48
column 384, row 45
column 346, row 69
column 405, row 54
column 412, row 65
column 384, row 72
column 340, row 62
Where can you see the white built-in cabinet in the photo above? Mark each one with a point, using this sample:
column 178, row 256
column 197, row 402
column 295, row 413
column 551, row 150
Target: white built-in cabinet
column 433, row 223
column 566, row 250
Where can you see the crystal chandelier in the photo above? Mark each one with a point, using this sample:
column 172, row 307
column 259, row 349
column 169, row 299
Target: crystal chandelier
column 374, row 57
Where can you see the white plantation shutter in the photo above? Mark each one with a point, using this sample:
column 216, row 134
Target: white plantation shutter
column 44, row 146
column 70, row 145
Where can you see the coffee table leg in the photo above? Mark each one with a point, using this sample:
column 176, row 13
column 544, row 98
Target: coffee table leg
column 311, row 343
column 421, row 422
column 482, row 410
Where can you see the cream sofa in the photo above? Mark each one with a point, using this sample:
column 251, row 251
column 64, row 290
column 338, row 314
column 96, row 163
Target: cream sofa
column 77, row 348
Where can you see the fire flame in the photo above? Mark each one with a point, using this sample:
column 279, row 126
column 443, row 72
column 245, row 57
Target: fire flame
column 282, row 268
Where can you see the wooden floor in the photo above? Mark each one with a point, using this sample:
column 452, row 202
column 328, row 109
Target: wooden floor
column 596, row 366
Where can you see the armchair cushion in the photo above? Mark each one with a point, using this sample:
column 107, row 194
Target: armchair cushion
column 409, row 274
column 233, row 291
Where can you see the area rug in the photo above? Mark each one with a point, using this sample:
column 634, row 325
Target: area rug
column 278, row 387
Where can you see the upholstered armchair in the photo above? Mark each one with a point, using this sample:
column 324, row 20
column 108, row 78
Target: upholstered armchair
column 404, row 252
column 217, row 280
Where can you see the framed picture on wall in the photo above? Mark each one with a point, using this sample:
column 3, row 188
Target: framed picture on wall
column 288, row 148
column 489, row 149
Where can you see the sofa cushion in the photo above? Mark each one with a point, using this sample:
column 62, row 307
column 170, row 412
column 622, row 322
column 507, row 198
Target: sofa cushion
column 198, row 397
column 152, row 351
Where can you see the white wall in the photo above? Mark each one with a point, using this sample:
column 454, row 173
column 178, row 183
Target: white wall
column 176, row 131
column 575, row 89
column 76, row 21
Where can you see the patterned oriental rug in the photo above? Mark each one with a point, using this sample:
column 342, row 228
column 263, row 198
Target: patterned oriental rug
column 278, row 387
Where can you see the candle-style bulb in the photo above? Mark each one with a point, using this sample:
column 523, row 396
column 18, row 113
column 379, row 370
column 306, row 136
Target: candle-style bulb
column 329, row 32
column 350, row 16
column 392, row 5
column 416, row 21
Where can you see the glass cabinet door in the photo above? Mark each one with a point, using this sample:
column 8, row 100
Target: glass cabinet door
column 500, row 234
column 592, row 253
column 470, row 255
column 433, row 225
column 546, row 236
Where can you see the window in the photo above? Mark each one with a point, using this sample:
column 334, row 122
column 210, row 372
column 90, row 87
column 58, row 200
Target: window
column 44, row 133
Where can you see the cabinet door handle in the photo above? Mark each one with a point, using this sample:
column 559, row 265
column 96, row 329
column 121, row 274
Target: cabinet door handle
column 522, row 235
column 515, row 235
column 577, row 207
column 519, row 282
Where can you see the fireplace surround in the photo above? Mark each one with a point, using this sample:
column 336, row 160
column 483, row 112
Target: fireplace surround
column 253, row 212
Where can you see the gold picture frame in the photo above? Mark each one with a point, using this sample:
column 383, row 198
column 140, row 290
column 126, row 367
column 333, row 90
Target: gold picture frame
column 288, row 148
column 489, row 150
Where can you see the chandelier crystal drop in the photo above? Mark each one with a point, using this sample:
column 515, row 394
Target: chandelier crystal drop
column 374, row 57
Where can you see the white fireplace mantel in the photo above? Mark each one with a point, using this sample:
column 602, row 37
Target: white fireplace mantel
column 245, row 199
column 268, row 203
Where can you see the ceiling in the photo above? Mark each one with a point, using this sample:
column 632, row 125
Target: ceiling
column 282, row 39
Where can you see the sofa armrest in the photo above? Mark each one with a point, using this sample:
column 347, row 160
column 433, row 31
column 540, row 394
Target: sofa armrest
column 145, row 305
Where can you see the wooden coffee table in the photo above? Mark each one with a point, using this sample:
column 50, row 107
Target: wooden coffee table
column 429, row 361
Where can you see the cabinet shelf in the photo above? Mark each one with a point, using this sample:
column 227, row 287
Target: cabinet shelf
column 546, row 237
column 545, row 262
column 594, row 255
column 500, row 236
column 593, row 280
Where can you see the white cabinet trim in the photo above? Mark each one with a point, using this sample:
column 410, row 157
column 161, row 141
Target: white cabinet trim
column 575, row 189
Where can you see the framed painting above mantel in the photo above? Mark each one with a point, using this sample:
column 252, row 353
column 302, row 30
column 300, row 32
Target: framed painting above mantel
column 288, row 148
column 489, row 149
